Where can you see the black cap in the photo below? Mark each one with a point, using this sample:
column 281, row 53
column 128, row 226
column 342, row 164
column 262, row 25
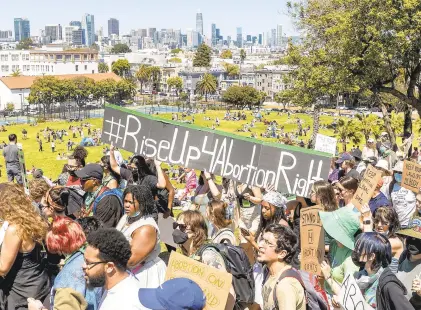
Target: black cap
column 90, row 171
column 357, row 153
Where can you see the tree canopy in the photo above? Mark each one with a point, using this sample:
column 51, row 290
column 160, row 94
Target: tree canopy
column 242, row 96
column 232, row 70
column 120, row 48
column 202, row 58
column 226, row 54
column 175, row 60
column 103, row 67
column 25, row 44
column 121, row 67
column 175, row 83
column 207, row 85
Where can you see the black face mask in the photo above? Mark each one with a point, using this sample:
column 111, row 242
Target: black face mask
column 179, row 237
column 72, row 173
column 413, row 246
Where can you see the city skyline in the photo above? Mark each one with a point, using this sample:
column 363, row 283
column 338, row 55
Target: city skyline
column 174, row 16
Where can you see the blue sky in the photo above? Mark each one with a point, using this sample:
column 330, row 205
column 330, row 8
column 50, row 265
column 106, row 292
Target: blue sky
column 254, row 16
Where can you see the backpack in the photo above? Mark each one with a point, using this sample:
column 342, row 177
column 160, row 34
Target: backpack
column 110, row 192
column 237, row 264
column 316, row 298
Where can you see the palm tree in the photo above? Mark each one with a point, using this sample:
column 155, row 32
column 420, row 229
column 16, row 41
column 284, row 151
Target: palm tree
column 16, row 73
column 243, row 56
column 369, row 124
column 143, row 75
column 103, row 67
column 347, row 130
column 155, row 76
column 207, row 85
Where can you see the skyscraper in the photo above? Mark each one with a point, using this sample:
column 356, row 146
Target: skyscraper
column 199, row 23
column 260, row 39
column 279, row 35
column 53, row 32
column 113, row 27
column 151, row 33
column 214, row 38
column 192, row 38
column 248, row 38
column 240, row 37
column 273, row 38
column 22, row 29
column 88, row 26
column 76, row 23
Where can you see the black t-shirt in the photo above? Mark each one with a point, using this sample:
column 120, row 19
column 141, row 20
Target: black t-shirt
column 108, row 211
column 127, row 175
column 150, row 181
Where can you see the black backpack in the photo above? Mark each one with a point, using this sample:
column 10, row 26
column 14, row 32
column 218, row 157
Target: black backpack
column 238, row 265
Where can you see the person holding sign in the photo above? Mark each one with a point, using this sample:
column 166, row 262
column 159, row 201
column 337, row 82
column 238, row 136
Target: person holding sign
column 403, row 200
column 347, row 186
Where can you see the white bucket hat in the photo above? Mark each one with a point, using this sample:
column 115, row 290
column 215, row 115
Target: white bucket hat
column 382, row 163
column 398, row 167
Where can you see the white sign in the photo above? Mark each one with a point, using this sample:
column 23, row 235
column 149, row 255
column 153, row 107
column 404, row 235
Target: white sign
column 325, row 144
column 351, row 297
column 166, row 229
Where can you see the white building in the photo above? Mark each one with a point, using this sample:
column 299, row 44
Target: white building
column 48, row 62
column 279, row 35
column 16, row 89
column 68, row 34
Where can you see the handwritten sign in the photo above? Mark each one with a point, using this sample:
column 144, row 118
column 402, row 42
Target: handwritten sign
column 215, row 283
column 411, row 176
column 325, row 144
column 350, row 296
column 290, row 169
column 312, row 240
column 367, row 186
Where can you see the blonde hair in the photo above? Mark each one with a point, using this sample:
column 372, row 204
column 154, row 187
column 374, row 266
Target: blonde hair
column 198, row 227
column 17, row 209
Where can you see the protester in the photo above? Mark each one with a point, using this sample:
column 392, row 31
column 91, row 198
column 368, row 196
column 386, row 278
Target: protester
column 385, row 222
column 191, row 182
column 110, row 179
column 106, row 258
column 11, row 158
column 23, row 231
column 322, row 194
column 276, row 249
column 387, row 176
column 347, row 163
column 89, row 224
column 370, row 149
column 220, row 217
column 403, row 200
column 37, row 189
column 99, row 200
column 378, row 199
column 174, row 294
column 67, row 238
column 141, row 230
column 348, row 186
column 54, row 202
column 206, row 190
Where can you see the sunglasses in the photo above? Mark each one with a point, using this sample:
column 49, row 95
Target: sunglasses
column 180, row 226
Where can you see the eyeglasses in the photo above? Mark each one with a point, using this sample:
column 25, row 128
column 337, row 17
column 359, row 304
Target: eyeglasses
column 267, row 243
column 180, row 226
column 89, row 266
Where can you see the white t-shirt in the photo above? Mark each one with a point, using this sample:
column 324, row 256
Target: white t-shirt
column 403, row 201
column 124, row 295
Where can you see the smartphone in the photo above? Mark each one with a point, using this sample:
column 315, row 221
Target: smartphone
column 244, row 232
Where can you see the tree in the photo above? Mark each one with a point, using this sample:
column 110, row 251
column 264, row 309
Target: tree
column 121, row 67
column 125, row 89
column 10, row 106
column 46, row 91
column 232, row 70
column 105, row 90
column 120, row 48
column 202, row 58
column 16, row 73
column 279, row 98
column 347, row 130
column 176, row 50
column 242, row 96
column 175, row 60
column 243, row 55
column 94, row 46
column 373, row 45
column 83, row 90
column 143, row 75
column 369, row 124
column 175, row 83
column 103, row 67
column 207, row 85
column 155, row 77
column 226, row 54
column 25, row 44
column 397, row 121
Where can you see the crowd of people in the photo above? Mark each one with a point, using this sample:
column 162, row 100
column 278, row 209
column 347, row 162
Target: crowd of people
column 91, row 239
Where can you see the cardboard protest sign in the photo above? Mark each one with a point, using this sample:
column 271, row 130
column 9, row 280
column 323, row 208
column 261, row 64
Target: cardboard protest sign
column 350, row 297
column 166, row 229
column 290, row 169
column 367, row 186
column 325, row 144
column 411, row 176
column 215, row 283
column 312, row 237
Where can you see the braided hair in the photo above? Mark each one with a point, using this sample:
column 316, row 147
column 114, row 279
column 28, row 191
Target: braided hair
column 143, row 195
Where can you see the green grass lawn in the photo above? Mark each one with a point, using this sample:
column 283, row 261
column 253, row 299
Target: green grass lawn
column 52, row 167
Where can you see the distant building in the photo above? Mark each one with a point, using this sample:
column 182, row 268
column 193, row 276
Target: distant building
column 6, row 36
column 260, row 39
column 279, row 35
column 273, row 37
column 22, row 29
column 213, row 36
column 88, row 26
column 113, row 27
column 152, row 33
column 53, row 32
column 191, row 76
column 248, row 38
column 192, row 38
column 271, row 79
column 199, row 23
column 239, row 37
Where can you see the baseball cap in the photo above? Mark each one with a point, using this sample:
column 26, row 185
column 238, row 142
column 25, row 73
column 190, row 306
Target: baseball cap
column 370, row 140
column 174, row 294
column 357, row 154
column 38, row 173
column 414, row 228
column 344, row 156
column 90, row 171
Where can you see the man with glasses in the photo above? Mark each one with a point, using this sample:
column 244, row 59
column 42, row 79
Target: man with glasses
column 277, row 248
column 106, row 258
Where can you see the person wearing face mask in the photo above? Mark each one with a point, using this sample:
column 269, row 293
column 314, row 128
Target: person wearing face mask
column 379, row 285
column 410, row 263
column 403, row 200
column 141, row 230
column 347, row 163
column 385, row 222
column 387, row 176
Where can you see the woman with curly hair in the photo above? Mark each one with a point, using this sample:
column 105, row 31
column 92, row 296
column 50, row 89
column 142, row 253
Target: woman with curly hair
column 141, row 230
column 21, row 235
column 111, row 179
